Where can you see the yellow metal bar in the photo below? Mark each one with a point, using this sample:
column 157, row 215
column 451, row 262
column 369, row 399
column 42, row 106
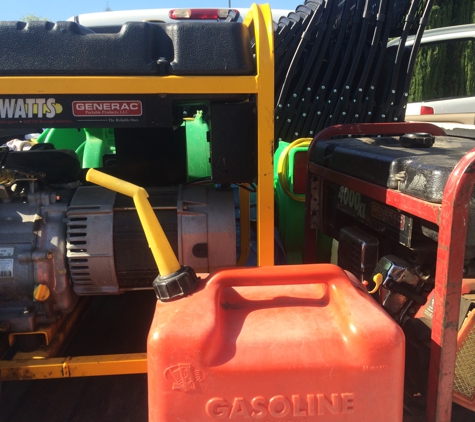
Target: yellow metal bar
column 261, row 19
column 162, row 251
column 244, row 226
column 47, row 331
column 61, row 336
column 81, row 366
column 51, row 85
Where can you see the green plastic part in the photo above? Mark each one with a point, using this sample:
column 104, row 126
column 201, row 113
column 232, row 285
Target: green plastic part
column 63, row 138
column 90, row 145
column 290, row 214
column 98, row 143
column 197, row 148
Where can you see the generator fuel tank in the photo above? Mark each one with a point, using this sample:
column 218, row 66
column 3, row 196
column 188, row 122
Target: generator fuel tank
column 285, row 343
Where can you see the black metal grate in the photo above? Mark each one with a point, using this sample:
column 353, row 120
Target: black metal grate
column 333, row 66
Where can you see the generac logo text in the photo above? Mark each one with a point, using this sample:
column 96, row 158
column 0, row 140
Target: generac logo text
column 107, row 108
column 280, row 406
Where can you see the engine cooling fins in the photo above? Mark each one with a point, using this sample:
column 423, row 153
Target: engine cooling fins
column 332, row 64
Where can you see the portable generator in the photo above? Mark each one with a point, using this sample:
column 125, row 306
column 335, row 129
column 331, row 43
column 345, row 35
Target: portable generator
column 379, row 192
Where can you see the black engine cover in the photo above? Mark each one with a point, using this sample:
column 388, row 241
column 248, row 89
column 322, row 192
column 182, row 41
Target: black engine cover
column 420, row 172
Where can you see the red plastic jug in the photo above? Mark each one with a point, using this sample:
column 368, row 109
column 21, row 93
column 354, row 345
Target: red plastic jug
column 285, row 343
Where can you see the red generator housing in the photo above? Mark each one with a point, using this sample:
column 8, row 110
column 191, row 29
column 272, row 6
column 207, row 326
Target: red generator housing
column 397, row 197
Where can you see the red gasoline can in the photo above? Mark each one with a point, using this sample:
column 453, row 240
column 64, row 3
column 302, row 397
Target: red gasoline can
column 287, row 343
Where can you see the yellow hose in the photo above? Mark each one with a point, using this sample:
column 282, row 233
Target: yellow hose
column 163, row 254
column 282, row 166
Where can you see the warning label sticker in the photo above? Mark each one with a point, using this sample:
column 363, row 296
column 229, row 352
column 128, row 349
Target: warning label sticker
column 429, row 310
column 7, row 251
column 6, row 268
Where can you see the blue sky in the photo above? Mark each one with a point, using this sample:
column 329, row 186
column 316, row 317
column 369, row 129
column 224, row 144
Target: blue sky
column 56, row 10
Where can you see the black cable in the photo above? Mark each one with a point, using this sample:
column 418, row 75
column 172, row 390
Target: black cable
column 282, row 51
column 305, row 37
column 340, row 93
column 294, row 110
column 282, row 105
column 384, row 113
column 298, row 122
column 314, row 63
column 355, row 112
column 401, row 106
column 368, row 106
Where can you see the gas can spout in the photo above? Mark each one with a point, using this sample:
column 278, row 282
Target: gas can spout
column 174, row 280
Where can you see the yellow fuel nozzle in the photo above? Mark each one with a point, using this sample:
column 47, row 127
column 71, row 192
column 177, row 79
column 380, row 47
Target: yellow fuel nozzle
column 174, row 280
column 157, row 240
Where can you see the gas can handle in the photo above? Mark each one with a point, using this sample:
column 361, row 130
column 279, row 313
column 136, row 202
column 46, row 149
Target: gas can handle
column 341, row 287
column 328, row 274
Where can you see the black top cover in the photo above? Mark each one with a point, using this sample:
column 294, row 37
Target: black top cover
column 420, row 172
column 140, row 48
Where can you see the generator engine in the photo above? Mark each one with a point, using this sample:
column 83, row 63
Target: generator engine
column 392, row 251
column 60, row 239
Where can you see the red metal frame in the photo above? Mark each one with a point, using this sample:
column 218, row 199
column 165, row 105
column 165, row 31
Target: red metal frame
column 451, row 216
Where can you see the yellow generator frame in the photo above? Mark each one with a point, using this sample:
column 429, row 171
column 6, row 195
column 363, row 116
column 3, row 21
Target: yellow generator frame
column 259, row 21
